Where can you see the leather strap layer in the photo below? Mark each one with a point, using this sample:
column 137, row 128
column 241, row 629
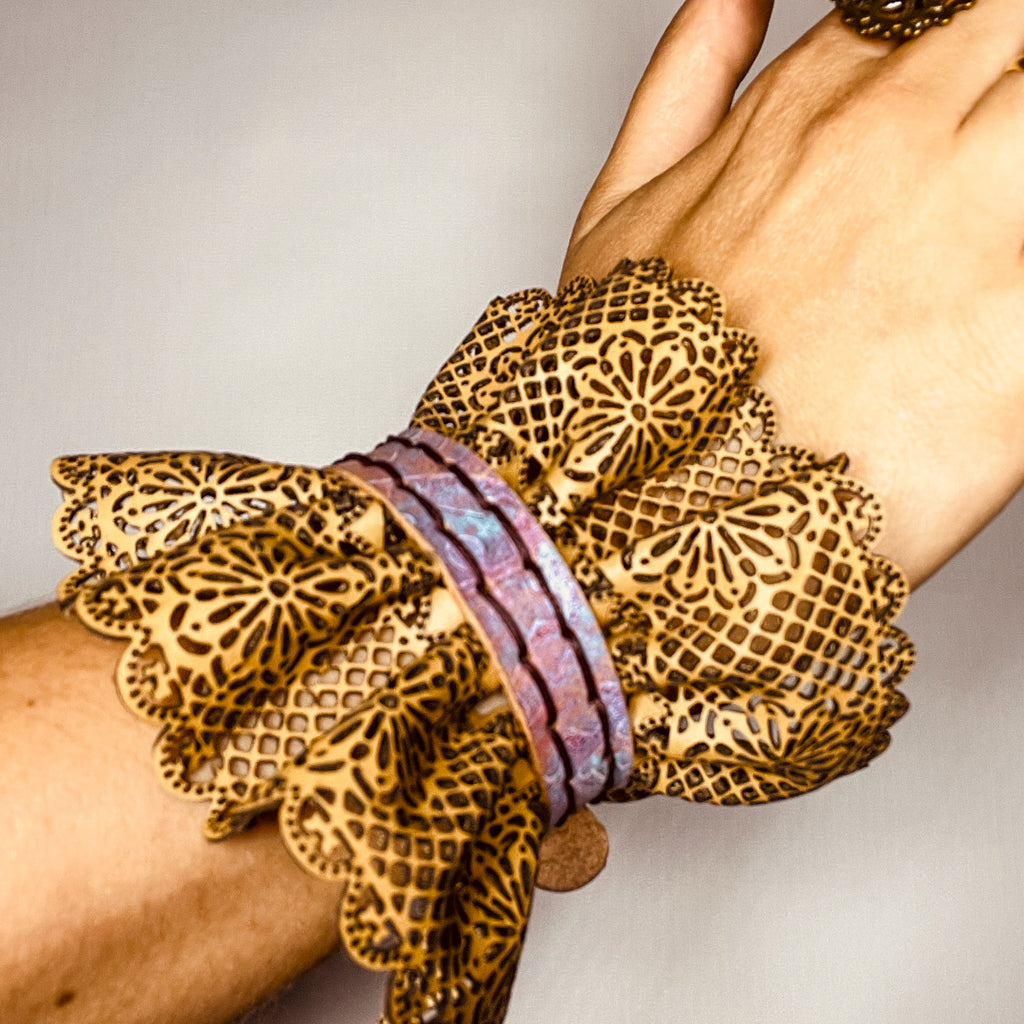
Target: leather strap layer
column 527, row 605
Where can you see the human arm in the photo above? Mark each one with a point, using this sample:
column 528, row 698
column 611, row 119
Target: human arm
column 133, row 913
column 113, row 905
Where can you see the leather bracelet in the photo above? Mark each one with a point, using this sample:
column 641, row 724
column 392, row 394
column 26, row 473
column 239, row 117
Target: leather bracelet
column 311, row 642
column 525, row 604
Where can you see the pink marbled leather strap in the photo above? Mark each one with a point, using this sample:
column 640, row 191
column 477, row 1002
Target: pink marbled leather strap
column 552, row 656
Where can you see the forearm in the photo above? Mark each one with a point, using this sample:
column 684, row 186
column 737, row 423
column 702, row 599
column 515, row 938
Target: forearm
column 113, row 903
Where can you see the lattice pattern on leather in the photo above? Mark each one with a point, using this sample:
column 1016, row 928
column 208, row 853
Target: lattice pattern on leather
column 613, row 381
column 243, row 778
column 421, row 865
column 898, row 19
column 302, row 651
column 732, row 460
column 446, row 406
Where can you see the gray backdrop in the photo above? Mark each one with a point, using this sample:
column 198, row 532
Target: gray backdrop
column 260, row 228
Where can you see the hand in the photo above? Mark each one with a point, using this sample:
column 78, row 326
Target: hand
column 683, row 97
column 861, row 210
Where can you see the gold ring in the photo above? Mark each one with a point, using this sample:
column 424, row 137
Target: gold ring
column 898, row 19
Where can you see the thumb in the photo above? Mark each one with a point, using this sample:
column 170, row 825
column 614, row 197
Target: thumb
column 685, row 92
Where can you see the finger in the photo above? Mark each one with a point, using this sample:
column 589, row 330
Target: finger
column 826, row 64
column 954, row 65
column 992, row 140
column 685, row 92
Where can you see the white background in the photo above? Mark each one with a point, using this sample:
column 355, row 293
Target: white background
column 260, row 227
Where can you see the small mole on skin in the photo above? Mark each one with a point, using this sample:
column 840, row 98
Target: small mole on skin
column 30, row 703
column 64, row 998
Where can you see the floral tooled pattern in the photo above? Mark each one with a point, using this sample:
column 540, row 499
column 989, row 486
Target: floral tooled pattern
column 445, row 864
column 747, row 615
column 604, row 386
column 305, row 653
column 308, row 659
column 769, row 666
column 153, row 502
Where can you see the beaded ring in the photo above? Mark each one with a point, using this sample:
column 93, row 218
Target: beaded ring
column 898, row 19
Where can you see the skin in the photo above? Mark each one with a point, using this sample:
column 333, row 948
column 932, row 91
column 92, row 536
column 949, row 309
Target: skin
column 888, row 328
column 129, row 905
column 882, row 186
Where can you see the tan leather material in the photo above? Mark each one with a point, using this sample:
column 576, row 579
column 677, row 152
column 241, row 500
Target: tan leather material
column 573, row 854
column 302, row 653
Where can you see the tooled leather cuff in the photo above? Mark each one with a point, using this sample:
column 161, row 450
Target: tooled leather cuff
column 352, row 648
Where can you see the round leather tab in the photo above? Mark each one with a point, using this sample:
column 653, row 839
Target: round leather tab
column 572, row 854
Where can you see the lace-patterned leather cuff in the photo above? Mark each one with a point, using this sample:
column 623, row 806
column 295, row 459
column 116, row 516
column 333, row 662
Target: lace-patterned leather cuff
column 324, row 643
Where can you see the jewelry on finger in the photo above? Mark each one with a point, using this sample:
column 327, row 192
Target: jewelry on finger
column 898, row 19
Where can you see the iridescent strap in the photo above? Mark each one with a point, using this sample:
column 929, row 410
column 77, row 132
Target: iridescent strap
column 526, row 604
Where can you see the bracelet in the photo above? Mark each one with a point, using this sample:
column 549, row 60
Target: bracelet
column 525, row 603
column 585, row 572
